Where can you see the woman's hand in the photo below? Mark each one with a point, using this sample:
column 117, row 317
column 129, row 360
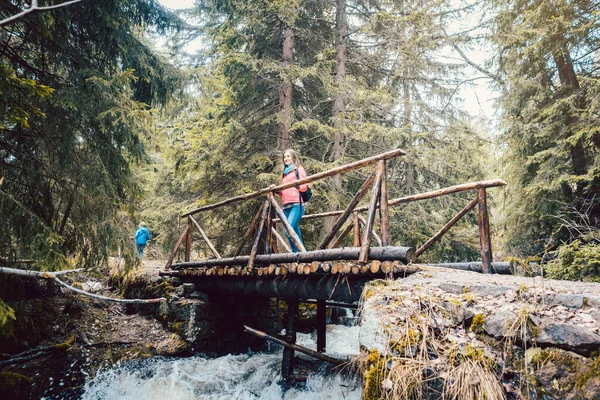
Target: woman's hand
column 273, row 187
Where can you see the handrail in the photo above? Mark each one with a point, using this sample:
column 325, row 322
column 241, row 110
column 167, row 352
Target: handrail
column 463, row 187
column 335, row 171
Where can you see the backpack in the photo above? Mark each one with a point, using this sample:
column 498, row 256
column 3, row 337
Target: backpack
column 304, row 195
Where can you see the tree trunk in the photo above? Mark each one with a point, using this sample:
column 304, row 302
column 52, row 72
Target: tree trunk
column 285, row 97
column 339, row 104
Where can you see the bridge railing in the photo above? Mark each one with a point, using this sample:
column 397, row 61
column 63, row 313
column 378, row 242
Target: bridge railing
column 264, row 226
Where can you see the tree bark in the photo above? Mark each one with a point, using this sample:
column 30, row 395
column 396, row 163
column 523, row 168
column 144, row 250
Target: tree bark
column 285, row 96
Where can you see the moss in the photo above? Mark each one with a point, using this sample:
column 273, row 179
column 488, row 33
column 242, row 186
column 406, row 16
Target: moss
column 373, row 377
column 177, row 327
column 66, row 345
column 477, row 324
column 10, row 382
column 591, row 371
column 456, row 302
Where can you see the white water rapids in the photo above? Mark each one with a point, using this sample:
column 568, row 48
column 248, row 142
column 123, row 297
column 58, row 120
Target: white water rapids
column 243, row 377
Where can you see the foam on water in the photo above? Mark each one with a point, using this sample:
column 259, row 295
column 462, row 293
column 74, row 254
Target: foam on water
column 244, row 377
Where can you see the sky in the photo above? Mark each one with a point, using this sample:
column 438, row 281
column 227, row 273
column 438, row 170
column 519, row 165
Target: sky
column 478, row 96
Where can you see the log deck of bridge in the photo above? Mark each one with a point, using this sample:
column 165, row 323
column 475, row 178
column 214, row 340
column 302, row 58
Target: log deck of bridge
column 329, row 272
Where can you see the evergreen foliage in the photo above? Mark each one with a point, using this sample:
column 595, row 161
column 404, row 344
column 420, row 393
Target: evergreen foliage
column 398, row 90
column 548, row 54
column 77, row 85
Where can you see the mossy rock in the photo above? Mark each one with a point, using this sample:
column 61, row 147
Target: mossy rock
column 14, row 385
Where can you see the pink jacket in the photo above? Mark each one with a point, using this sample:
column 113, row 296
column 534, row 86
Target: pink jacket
column 291, row 195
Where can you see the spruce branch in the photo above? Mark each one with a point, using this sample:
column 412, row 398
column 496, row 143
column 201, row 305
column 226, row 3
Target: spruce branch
column 34, row 9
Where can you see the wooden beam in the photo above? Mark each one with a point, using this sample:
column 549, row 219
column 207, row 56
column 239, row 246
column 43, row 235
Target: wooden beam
column 287, row 226
column 346, row 213
column 446, row 227
column 324, row 357
column 335, row 171
column 342, row 235
column 404, row 254
column 210, row 245
column 422, row 196
column 174, row 251
column 375, row 235
column 259, row 232
column 250, row 229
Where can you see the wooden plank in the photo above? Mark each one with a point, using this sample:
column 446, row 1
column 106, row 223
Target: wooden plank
column 210, row 245
column 335, row 171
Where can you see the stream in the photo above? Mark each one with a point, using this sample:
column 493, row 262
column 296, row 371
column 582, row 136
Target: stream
column 242, row 376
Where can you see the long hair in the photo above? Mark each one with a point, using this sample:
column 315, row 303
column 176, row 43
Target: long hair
column 295, row 159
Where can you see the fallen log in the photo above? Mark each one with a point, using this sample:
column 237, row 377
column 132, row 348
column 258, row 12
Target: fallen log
column 302, row 349
column 404, row 254
column 502, row 268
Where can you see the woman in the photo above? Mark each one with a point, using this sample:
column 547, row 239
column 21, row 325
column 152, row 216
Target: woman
column 293, row 205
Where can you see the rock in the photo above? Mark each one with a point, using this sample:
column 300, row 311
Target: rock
column 569, row 337
column 185, row 289
column 566, row 300
column 496, row 324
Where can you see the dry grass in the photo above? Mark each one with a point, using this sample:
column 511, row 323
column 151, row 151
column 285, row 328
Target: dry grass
column 470, row 380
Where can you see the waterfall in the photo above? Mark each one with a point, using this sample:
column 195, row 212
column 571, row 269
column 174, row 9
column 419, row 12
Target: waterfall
column 243, row 376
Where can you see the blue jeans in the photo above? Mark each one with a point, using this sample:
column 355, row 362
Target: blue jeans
column 293, row 215
column 140, row 249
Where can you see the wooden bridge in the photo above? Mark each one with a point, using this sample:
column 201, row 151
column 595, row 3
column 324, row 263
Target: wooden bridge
column 328, row 273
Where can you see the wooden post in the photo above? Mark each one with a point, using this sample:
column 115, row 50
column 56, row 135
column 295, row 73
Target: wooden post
column 287, row 363
column 321, row 325
column 366, row 239
column 188, row 241
column 269, row 227
column 356, row 241
column 484, row 232
column 174, row 251
column 375, row 235
column 384, row 210
column 259, row 232
column 342, row 218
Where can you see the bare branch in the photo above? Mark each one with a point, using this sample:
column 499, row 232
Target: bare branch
column 35, row 9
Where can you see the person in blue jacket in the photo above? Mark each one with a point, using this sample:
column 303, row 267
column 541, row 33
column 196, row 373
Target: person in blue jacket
column 142, row 235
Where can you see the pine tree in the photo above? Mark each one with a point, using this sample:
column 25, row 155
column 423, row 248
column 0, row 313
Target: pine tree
column 78, row 84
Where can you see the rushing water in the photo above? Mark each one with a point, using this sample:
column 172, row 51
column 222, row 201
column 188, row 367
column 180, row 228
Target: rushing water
column 245, row 376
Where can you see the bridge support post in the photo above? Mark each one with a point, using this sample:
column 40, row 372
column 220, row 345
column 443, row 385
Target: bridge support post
column 287, row 363
column 484, row 232
column 188, row 241
column 321, row 325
